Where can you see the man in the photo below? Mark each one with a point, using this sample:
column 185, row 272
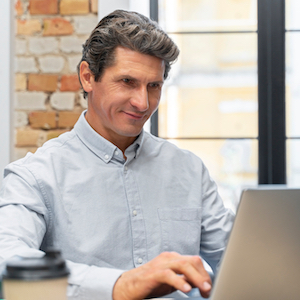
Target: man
column 130, row 212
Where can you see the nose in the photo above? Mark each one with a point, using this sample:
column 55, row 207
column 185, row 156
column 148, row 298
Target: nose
column 139, row 99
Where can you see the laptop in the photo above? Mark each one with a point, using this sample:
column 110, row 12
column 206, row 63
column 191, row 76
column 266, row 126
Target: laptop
column 262, row 258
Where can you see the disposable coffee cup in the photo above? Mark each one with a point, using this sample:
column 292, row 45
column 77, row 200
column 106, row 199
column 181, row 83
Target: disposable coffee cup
column 1, row 296
column 44, row 278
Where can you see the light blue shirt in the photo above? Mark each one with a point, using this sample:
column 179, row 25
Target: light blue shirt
column 106, row 214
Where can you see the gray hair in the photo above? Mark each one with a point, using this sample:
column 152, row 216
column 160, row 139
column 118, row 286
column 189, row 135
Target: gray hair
column 130, row 30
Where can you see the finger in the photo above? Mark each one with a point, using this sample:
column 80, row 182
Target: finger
column 170, row 278
column 194, row 272
column 205, row 290
column 190, row 266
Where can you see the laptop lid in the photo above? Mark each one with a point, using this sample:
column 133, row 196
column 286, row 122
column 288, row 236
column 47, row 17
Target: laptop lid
column 262, row 258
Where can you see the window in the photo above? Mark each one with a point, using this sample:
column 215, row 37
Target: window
column 210, row 102
column 226, row 99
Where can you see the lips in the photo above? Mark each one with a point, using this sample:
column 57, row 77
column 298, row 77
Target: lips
column 134, row 115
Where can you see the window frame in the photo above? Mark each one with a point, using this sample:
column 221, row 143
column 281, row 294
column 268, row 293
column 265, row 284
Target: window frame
column 271, row 90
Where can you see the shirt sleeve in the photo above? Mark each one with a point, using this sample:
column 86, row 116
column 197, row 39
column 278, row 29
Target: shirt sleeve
column 91, row 282
column 216, row 224
column 23, row 224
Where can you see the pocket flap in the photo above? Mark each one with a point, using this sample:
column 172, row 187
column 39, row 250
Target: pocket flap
column 180, row 214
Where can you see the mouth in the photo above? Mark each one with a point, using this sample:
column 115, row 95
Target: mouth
column 134, row 116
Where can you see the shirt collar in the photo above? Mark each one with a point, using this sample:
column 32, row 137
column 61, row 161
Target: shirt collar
column 99, row 145
column 135, row 148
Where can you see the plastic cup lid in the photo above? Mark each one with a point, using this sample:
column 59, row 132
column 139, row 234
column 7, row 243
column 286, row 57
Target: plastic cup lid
column 52, row 265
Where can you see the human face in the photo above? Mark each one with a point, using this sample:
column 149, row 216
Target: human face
column 125, row 97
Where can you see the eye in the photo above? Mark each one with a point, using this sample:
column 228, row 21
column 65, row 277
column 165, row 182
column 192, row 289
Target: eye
column 127, row 81
column 154, row 85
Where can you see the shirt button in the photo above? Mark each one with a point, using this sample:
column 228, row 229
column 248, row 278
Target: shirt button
column 134, row 212
column 116, row 152
column 125, row 168
column 106, row 156
column 140, row 260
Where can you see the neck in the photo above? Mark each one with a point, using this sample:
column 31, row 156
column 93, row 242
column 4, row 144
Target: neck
column 122, row 142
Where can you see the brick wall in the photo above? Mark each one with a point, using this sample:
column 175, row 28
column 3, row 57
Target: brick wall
column 48, row 44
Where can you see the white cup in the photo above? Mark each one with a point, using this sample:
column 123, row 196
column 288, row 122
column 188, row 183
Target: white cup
column 44, row 278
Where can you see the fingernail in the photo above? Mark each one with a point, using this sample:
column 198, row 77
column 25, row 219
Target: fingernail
column 186, row 287
column 206, row 285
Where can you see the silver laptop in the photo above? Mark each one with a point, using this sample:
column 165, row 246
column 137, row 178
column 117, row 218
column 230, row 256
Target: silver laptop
column 262, row 258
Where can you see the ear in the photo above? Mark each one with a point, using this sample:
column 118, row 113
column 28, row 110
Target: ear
column 86, row 76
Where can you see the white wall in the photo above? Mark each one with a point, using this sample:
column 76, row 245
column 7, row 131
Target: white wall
column 6, row 83
column 106, row 7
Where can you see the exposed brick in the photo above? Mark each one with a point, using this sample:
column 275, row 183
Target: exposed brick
column 74, row 7
column 30, row 138
column 73, row 61
column 30, row 100
column 69, row 83
column 28, row 27
column 94, row 6
column 20, row 82
column 47, row 45
column 41, row 119
column 20, row 119
column 51, row 134
column 71, row 44
column 62, row 101
column 85, row 24
column 57, row 26
column 19, row 8
column 67, row 119
column 25, row 65
column 51, row 64
column 43, row 45
column 20, row 46
column 43, row 7
column 21, row 152
column 42, row 82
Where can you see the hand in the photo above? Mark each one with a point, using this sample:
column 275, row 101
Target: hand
column 164, row 274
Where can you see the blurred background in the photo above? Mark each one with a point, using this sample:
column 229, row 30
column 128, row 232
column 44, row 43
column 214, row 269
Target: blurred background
column 232, row 97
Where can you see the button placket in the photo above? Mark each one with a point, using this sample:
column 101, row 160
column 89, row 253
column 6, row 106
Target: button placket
column 138, row 230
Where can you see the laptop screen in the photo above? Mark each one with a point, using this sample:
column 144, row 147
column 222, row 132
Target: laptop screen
column 262, row 256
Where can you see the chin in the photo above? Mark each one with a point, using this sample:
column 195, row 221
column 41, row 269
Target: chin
column 131, row 133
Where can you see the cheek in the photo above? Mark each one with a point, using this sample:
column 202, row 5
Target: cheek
column 109, row 103
column 154, row 98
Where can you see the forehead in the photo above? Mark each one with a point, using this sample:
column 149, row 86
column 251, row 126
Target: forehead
column 134, row 61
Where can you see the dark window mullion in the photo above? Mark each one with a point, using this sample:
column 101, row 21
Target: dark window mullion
column 154, row 16
column 271, row 91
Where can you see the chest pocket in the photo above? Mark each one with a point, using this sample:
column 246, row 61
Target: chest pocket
column 181, row 229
